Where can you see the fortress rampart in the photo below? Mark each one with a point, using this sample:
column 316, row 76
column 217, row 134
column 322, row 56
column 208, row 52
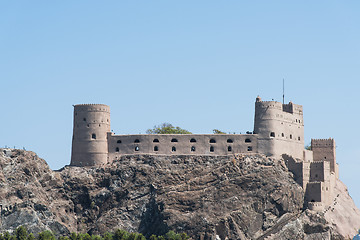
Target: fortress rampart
column 278, row 132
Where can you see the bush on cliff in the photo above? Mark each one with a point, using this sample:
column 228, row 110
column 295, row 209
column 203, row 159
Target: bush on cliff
column 21, row 233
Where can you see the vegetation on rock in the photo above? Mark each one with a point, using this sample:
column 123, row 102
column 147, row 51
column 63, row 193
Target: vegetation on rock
column 21, row 233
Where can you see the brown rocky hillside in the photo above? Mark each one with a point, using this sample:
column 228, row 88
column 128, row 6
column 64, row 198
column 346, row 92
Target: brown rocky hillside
column 228, row 197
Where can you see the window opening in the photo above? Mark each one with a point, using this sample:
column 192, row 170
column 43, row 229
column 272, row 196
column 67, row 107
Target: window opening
column 290, row 136
column 174, row 140
column 193, row 149
column 248, row 140
column 93, row 136
column 173, row 149
column 283, row 135
column 299, row 138
column 249, row 148
column 230, row 141
column 156, row 140
column 211, row 149
column 212, row 140
column 84, row 119
column 272, row 134
column 156, row 148
column 229, row 148
column 136, row 141
column 193, row 140
column 137, row 148
column 117, row 149
column 118, row 141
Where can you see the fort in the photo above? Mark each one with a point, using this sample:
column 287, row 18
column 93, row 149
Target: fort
column 278, row 133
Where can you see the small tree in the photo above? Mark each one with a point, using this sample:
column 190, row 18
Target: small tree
column 217, row 131
column 21, row 233
column 167, row 128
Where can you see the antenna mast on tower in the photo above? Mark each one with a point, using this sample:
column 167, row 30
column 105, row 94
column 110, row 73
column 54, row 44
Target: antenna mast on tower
column 283, row 91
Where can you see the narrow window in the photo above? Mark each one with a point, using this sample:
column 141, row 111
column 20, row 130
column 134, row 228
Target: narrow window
column 248, row 140
column 299, row 138
column 88, row 125
column 137, row 148
column 84, row 119
column 229, row 148
column 290, row 136
column 173, row 149
column 249, row 148
column 136, row 141
column 193, row 149
column 212, row 140
column 174, row 140
column 118, row 141
column 156, row 140
column 93, row 136
column 117, row 149
column 211, row 149
column 272, row 134
column 230, row 141
column 193, row 140
column 156, row 148
column 99, row 125
column 282, row 134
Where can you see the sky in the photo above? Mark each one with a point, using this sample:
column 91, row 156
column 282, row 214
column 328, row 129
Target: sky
column 196, row 64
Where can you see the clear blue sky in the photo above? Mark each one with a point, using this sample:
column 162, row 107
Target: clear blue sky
column 196, row 64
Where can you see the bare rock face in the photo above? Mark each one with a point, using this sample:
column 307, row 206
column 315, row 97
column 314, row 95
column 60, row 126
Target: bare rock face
column 208, row 197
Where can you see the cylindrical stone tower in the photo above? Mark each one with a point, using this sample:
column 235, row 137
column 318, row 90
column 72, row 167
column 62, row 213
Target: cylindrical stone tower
column 89, row 143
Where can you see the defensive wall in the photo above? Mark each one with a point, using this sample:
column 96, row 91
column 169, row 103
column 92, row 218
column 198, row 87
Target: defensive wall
column 181, row 144
column 278, row 132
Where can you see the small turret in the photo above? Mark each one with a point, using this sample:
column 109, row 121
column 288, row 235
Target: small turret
column 89, row 144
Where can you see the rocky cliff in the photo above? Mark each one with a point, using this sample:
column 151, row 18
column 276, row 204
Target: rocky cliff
column 224, row 197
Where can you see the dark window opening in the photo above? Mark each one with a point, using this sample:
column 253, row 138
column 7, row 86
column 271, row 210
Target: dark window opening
column 316, row 175
column 137, row 148
column 324, row 157
column 290, row 136
column 99, row 125
column 173, row 149
column 156, row 140
column 230, row 141
column 229, row 148
column 174, row 140
column 193, row 149
column 193, row 140
column 88, row 125
column 212, row 140
column 282, row 134
column 136, row 141
column 248, row 140
column 211, row 149
column 118, row 141
column 299, row 138
column 93, row 136
column 156, row 148
column 117, row 149
column 272, row 134
column 312, row 200
column 249, row 148
column 84, row 119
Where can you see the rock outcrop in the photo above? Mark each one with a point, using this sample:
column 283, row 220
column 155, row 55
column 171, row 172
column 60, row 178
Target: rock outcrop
column 220, row 197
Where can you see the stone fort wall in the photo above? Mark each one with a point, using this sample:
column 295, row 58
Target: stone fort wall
column 181, row 144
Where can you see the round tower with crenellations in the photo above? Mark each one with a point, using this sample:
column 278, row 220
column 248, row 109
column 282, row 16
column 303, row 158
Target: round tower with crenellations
column 89, row 143
column 280, row 128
